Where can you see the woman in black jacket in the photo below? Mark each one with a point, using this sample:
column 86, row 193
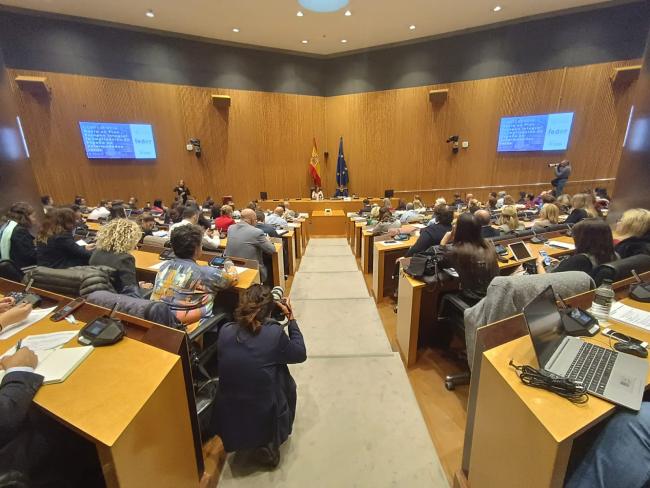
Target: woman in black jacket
column 634, row 229
column 16, row 239
column 432, row 234
column 257, row 395
column 56, row 247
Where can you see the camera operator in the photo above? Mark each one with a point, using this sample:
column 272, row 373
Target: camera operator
column 257, row 395
column 562, row 173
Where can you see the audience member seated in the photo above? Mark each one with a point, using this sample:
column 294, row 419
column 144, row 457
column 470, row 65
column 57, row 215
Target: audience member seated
column 634, row 232
column 548, row 215
column 473, row 258
column 100, row 212
column 80, row 224
column 548, row 197
column 500, row 197
column 386, row 224
column 263, row 226
column 191, row 217
column 276, row 219
column 582, row 208
column 147, row 224
column 115, row 241
column 341, row 191
column 374, row 214
column 418, row 204
column 618, row 455
column 56, row 247
column 529, row 201
column 508, row 220
column 225, row 220
column 563, row 202
column 16, row 239
column 388, row 204
column 483, row 218
column 48, row 203
column 594, row 246
column 473, row 205
column 317, row 194
column 458, row 201
column 256, row 405
column 508, row 200
column 158, row 207
column 246, row 241
column 366, row 207
column 492, row 203
column 410, row 215
column 81, row 203
column 208, row 203
column 187, row 287
column 401, row 204
column 132, row 203
column 432, row 234
column 118, row 210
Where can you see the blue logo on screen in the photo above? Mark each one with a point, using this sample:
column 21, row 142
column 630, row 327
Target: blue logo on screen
column 118, row 141
column 548, row 132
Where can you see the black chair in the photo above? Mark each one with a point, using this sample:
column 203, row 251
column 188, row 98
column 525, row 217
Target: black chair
column 9, row 271
column 451, row 312
column 621, row 269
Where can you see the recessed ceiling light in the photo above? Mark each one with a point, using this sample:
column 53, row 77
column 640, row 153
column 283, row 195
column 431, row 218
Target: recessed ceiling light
column 412, row 27
column 235, row 30
column 348, row 13
column 299, row 14
column 497, row 8
column 150, row 14
column 344, row 41
column 305, row 41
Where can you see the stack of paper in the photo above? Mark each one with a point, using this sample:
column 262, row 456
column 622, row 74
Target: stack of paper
column 630, row 315
column 33, row 317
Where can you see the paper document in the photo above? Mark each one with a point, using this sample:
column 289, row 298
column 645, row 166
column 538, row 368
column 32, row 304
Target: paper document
column 281, row 232
column 630, row 315
column 157, row 265
column 41, row 342
column 391, row 243
column 295, row 226
column 55, row 365
column 32, row 318
column 418, row 226
column 81, row 243
column 160, row 233
column 563, row 245
column 241, row 269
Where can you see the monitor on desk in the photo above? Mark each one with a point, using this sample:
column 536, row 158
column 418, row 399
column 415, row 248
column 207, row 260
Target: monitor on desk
column 264, row 195
column 389, row 193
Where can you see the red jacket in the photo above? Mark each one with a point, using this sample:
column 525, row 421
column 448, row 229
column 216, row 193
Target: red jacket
column 222, row 223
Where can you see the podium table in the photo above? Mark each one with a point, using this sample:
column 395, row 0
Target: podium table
column 329, row 224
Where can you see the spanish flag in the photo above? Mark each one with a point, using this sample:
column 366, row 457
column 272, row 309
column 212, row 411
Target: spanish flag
column 314, row 165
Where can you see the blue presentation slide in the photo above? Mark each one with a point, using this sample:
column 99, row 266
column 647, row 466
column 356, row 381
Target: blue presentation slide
column 547, row 132
column 118, row 141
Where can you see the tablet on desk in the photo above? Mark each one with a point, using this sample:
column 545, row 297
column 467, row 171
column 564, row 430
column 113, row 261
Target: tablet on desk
column 520, row 251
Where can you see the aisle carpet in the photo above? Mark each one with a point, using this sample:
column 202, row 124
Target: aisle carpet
column 358, row 423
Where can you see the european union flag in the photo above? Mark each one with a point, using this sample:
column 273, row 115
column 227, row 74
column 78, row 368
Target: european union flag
column 342, row 178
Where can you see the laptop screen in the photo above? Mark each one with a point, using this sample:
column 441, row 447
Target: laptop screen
column 545, row 325
column 520, row 251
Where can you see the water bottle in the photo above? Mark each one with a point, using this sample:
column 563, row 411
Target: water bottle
column 603, row 300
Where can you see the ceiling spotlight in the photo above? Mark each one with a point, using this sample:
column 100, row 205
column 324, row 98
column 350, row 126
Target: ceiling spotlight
column 344, row 41
column 412, row 27
column 497, row 8
column 235, row 30
column 299, row 14
column 348, row 13
column 305, row 41
column 150, row 14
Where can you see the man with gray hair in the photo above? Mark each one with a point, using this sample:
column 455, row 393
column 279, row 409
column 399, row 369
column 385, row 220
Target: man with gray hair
column 276, row 219
column 483, row 218
column 246, row 241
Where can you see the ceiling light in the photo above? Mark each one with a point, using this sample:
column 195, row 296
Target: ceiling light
column 412, row 27
column 299, row 14
column 324, row 5
column 305, row 41
column 348, row 13
column 235, row 30
column 150, row 14
column 344, row 41
column 497, row 8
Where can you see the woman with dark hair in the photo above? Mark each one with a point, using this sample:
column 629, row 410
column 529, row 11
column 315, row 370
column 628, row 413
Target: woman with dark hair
column 56, row 247
column 473, row 258
column 256, row 405
column 16, row 239
column 386, row 222
column 158, row 206
column 594, row 246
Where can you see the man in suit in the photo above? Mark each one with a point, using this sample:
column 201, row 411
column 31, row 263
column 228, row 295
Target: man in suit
column 245, row 240
column 269, row 230
column 483, row 218
column 276, row 218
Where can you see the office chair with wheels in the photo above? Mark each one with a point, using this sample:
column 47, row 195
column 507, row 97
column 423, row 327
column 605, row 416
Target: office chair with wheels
column 9, row 270
column 621, row 269
column 452, row 312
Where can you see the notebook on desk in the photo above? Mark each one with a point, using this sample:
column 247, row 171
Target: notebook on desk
column 55, row 365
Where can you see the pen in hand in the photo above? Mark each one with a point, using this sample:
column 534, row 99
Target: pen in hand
column 20, row 342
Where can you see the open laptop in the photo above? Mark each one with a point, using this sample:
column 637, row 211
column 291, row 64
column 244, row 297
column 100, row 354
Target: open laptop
column 520, row 251
column 616, row 377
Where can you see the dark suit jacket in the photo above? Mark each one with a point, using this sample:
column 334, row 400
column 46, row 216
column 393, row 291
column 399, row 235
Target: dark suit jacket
column 268, row 230
column 576, row 215
column 633, row 246
column 257, row 395
column 489, row 231
column 22, row 251
column 431, row 235
column 61, row 252
column 125, row 281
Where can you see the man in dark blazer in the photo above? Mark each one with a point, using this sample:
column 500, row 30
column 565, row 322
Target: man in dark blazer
column 483, row 218
column 432, row 234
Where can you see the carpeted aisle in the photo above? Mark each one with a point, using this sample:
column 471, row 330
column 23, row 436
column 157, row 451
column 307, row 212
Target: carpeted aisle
column 358, row 423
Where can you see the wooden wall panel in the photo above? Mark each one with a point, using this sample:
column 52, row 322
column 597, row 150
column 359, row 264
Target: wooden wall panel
column 262, row 142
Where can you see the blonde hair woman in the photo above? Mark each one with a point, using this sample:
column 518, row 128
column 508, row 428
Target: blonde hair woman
column 564, row 203
column 508, row 221
column 582, row 208
column 634, row 230
column 548, row 215
column 115, row 241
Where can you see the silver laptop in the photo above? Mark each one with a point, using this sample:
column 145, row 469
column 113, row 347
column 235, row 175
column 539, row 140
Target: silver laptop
column 617, row 377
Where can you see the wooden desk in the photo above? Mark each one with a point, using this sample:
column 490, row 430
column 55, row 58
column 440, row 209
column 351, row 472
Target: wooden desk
column 327, row 224
column 524, row 436
column 288, row 239
column 383, row 262
column 299, row 243
column 306, row 205
column 358, row 230
column 145, row 260
column 277, row 266
column 118, row 398
column 367, row 240
column 93, row 226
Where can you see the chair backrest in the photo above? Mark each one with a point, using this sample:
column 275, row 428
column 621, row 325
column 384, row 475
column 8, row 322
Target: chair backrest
column 621, row 269
column 73, row 282
column 153, row 311
column 154, row 241
column 9, row 270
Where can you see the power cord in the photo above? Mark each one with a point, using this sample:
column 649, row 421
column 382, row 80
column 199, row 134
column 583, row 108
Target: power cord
column 566, row 388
